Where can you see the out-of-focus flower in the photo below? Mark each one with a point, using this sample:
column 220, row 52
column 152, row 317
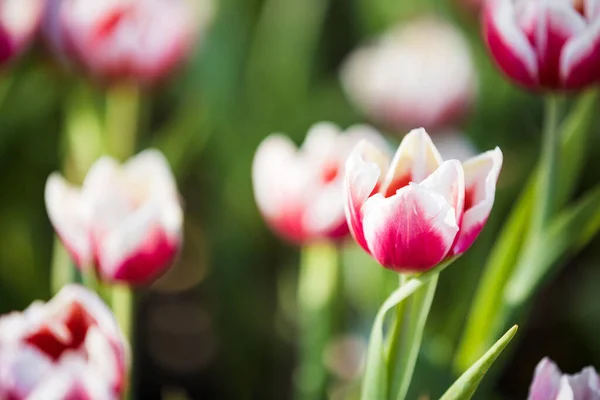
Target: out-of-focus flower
column 299, row 191
column 141, row 40
column 19, row 21
column 551, row 44
column 68, row 348
column 454, row 144
column 418, row 74
column 549, row 383
column 415, row 213
column 126, row 221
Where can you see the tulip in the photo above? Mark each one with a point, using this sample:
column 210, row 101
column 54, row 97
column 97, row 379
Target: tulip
column 419, row 210
column 140, row 40
column 418, row 74
column 549, row 383
column 299, row 191
column 19, row 21
column 125, row 222
column 550, row 44
column 67, row 348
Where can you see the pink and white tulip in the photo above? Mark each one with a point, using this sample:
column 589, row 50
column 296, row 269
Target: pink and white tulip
column 549, row 383
column 550, row 44
column 125, row 222
column 418, row 74
column 19, row 21
column 418, row 210
column 299, row 191
column 141, row 40
column 68, row 348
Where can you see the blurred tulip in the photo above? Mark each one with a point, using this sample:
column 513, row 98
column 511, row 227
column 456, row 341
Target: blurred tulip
column 549, row 383
column 68, row 348
column 453, row 144
column 19, row 21
column 412, row 215
column 299, row 191
column 141, row 40
column 126, row 221
column 418, row 74
column 552, row 44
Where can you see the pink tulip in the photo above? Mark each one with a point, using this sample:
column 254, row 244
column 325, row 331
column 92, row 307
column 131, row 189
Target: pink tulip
column 412, row 214
column 19, row 21
column 299, row 191
column 126, row 221
column 549, row 383
column 142, row 40
column 551, row 44
column 68, row 348
column 418, row 74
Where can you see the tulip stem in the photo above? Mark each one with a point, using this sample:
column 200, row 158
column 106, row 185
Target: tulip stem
column 122, row 113
column 547, row 196
column 317, row 289
column 122, row 306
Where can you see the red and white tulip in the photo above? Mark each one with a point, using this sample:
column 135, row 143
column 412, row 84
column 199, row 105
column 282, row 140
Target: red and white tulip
column 141, row 40
column 419, row 74
column 19, row 21
column 68, row 348
column 125, row 221
column 549, row 383
column 551, row 44
column 299, row 191
column 417, row 210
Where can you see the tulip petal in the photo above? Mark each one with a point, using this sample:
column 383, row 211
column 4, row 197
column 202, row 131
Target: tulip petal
column 416, row 158
column 546, row 381
column 66, row 210
column 585, row 384
column 508, row 43
column 481, row 175
column 150, row 167
column 411, row 231
column 364, row 168
column 449, row 181
column 580, row 57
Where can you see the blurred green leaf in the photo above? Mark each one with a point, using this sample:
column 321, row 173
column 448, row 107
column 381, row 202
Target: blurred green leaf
column 466, row 385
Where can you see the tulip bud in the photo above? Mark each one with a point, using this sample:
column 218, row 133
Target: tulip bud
column 299, row 191
column 418, row 74
column 19, row 21
column 126, row 221
column 549, row 383
column 416, row 211
column 545, row 44
column 68, row 348
column 140, row 40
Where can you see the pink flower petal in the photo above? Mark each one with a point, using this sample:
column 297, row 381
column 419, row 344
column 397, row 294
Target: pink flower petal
column 508, row 44
column 364, row 168
column 481, row 175
column 449, row 181
column 412, row 230
column 415, row 159
column 585, row 384
column 580, row 58
column 546, row 381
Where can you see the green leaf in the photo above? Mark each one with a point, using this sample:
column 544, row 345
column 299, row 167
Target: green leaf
column 375, row 381
column 409, row 333
column 569, row 231
column 466, row 385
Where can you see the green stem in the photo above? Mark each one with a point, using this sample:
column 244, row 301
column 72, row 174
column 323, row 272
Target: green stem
column 61, row 271
column 317, row 289
column 122, row 306
column 547, row 196
column 122, row 115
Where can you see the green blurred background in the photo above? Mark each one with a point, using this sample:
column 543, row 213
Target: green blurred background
column 222, row 323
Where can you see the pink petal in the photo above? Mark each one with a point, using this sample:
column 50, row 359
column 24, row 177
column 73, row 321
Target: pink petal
column 481, row 175
column 557, row 24
column 508, row 44
column 364, row 168
column 580, row 58
column 546, row 381
column 410, row 231
column 449, row 181
column 415, row 159
column 585, row 384
column 66, row 210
